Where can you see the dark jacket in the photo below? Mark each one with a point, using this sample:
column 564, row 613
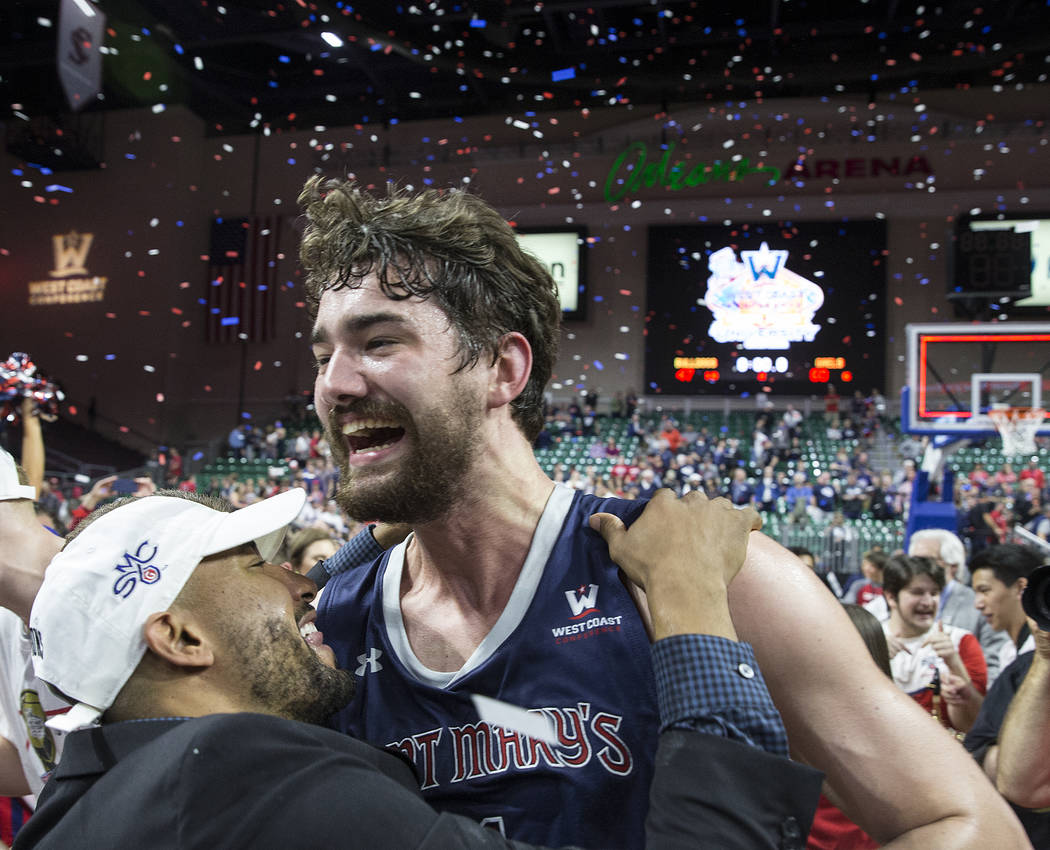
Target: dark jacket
column 255, row 781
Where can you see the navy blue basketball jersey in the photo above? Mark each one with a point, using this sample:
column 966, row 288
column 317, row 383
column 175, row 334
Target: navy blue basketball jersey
column 569, row 644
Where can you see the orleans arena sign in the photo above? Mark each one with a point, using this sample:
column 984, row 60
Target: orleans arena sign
column 635, row 168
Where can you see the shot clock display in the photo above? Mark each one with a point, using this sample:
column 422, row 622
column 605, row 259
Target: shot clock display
column 1003, row 255
column 781, row 308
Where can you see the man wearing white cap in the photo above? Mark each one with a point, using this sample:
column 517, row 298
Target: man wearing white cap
column 164, row 609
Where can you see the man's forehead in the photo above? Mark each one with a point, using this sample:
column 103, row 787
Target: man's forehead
column 984, row 575
column 346, row 309
column 926, row 548
column 245, row 550
column 921, row 582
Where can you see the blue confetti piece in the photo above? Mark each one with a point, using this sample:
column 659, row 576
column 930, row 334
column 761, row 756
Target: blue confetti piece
column 230, row 320
column 563, row 74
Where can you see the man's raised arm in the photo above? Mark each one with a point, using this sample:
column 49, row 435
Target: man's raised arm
column 1024, row 741
column 888, row 768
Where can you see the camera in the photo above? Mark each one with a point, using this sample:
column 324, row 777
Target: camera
column 1036, row 596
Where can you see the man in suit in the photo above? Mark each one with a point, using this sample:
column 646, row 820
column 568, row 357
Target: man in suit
column 168, row 609
column 957, row 599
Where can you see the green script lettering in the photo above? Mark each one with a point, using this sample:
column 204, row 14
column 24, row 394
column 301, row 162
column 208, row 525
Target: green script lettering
column 635, row 160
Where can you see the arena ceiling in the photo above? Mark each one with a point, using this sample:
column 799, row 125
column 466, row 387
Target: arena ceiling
column 301, row 63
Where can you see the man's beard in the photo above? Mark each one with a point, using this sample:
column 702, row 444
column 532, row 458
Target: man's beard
column 288, row 678
column 429, row 478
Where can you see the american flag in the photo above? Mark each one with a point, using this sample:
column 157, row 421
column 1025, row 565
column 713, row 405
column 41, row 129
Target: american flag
column 242, row 279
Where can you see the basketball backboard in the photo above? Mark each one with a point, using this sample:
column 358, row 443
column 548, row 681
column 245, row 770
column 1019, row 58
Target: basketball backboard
column 958, row 372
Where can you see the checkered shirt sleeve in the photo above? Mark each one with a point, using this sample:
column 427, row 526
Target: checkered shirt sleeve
column 360, row 550
column 713, row 685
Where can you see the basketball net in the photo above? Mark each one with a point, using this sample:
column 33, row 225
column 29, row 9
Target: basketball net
column 1017, row 427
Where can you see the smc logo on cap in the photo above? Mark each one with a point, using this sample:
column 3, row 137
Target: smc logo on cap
column 136, row 568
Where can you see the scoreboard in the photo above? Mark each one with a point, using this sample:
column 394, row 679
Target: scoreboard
column 773, row 307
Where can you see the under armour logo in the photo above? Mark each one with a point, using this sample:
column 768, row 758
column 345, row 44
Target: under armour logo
column 369, row 663
column 583, row 601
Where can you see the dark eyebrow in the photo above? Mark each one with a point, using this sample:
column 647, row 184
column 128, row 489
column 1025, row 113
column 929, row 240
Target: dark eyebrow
column 356, row 324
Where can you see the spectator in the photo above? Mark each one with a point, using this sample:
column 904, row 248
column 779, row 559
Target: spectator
column 979, row 477
column 981, row 524
column 982, row 741
column 799, row 498
column 940, row 666
column 30, row 750
column 1027, row 501
column 307, row 547
column 237, row 441
column 175, row 467
column 792, row 420
column 648, row 483
column 767, row 492
column 854, row 496
column 884, row 503
column 671, row 435
column 831, row 407
column 825, row 496
column 1035, row 472
column 1040, row 526
column 868, row 588
column 1000, row 574
column 957, row 602
column 1006, row 478
column 740, row 492
column 840, row 542
column 630, row 403
column 840, row 466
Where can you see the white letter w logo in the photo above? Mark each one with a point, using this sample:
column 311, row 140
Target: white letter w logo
column 71, row 253
column 370, row 662
column 582, row 603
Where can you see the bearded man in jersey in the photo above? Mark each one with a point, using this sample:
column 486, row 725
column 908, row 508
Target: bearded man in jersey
column 434, row 338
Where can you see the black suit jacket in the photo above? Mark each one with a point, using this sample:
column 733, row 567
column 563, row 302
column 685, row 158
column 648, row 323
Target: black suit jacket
column 255, row 781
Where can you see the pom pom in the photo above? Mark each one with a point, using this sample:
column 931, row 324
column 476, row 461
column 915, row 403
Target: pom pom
column 20, row 379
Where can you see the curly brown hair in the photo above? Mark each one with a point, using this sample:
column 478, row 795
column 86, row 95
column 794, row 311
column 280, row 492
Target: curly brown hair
column 451, row 246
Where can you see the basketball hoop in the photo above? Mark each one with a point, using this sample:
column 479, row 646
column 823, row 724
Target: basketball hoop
column 1017, row 427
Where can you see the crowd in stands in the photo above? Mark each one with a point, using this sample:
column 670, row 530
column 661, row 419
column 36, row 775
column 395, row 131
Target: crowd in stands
column 813, row 478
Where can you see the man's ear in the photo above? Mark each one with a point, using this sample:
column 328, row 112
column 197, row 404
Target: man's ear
column 176, row 638
column 511, row 368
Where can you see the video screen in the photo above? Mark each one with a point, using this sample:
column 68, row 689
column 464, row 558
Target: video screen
column 562, row 250
column 781, row 308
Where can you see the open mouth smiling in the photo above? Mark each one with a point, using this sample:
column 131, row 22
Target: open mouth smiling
column 371, row 435
column 308, row 630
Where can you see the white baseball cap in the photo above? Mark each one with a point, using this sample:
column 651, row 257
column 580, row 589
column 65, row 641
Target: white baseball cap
column 87, row 619
column 9, row 486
